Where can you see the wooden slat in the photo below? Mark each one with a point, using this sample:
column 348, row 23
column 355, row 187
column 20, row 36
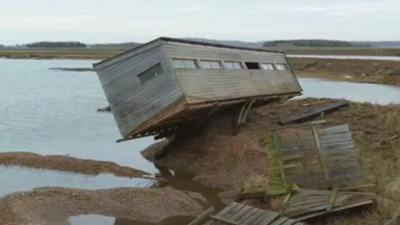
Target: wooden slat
column 240, row 214
column 312, row 113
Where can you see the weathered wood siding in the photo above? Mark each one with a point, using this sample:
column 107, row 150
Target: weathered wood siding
column 131, row 102
column 207, row 84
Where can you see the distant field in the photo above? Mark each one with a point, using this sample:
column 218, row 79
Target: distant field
column 59, row 53
column 101, row 53
column 341, row 51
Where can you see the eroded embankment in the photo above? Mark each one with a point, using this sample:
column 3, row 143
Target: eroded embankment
column 66, row 163
column 372, row 71
column 49, row 206
column 218, row 159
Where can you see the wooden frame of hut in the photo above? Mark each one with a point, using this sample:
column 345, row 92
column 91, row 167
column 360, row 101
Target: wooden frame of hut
column 158, row 86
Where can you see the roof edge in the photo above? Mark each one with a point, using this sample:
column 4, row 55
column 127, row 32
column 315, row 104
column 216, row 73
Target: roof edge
column 185, row 41
column 168, row 39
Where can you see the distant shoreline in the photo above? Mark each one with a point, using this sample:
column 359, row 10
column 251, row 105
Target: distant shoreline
column 102, row 53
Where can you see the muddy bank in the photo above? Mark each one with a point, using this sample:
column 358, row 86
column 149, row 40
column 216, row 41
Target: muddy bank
column 67, row 163
column 218, row 159
column 49, row 206
column 371, row 71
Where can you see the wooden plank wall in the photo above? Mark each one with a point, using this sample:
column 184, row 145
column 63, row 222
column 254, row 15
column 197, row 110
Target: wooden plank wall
column 133, row 103
column 205, row 84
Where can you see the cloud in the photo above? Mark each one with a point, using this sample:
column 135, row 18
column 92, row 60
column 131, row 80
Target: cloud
column 192, row 9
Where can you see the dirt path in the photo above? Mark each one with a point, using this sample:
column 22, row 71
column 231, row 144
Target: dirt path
column 66, row 163
column 370, row 71
column 50, row 206
column 220, row 160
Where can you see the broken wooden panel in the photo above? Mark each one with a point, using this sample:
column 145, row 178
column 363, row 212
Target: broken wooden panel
column 312, row 157
column 307, row 204
column 312, row 112
column 339, row 157
column 241, row 214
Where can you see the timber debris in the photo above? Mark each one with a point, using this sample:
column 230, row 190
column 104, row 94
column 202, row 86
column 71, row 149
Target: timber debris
column 241, row 214
column 312, row 112
column 316, row 168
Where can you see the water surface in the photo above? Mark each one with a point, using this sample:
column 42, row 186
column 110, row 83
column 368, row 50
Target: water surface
column 358, row 92
column 93, row 219
column 17, row 179
column 54, row 112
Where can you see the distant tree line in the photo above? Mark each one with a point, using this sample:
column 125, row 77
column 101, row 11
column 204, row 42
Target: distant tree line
column 312, row 43
column 125, row 45
column 48, row 44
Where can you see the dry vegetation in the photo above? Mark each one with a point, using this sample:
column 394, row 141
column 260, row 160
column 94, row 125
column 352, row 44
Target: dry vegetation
column 228, row 162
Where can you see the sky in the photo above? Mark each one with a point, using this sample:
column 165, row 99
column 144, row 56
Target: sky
column 111, row 21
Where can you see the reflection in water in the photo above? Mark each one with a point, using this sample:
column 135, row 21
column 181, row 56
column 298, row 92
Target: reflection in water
column 16, row 179
column 106, row 220
column 358, row 92
column 359, row 57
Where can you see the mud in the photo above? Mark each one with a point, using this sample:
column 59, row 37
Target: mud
column 66, row 163
column 221, row 160
column 49, row 206
column 371, row 71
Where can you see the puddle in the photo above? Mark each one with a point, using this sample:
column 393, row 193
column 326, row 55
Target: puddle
column 357, row 92
column 107, row 220
column 359, row 57
column 184, row 181
column 16, row 179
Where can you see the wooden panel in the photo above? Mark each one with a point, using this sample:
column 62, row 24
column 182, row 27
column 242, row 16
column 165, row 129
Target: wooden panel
column 337, row 151
column 206, row 84
column 241, row 214
column 312, row 157
column 230, row 84
column 131, row 102
column 306, row 204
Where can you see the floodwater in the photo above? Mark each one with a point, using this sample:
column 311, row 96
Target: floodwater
column 357, row 92
column 358, row 57
column 17, row 179
column 92, row 219
column 54, row 112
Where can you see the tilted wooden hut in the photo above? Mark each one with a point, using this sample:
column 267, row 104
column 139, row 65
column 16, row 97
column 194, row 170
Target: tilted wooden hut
column 168, row 82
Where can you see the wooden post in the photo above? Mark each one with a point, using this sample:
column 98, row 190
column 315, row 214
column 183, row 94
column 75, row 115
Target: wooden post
column 275, row 141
